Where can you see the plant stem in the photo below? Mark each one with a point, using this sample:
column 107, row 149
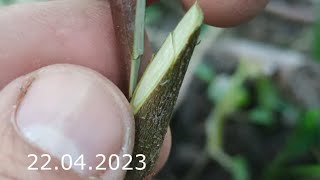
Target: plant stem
column 138, row 44
column 156, row 93
column 123, row 15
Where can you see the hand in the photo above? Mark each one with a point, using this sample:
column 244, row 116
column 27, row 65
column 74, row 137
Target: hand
column 70, row 109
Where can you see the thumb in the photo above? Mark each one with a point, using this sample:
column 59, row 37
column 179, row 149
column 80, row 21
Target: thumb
column 56, row 121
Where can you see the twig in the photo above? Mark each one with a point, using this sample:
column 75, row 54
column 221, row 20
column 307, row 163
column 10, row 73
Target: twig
column 123, row 14
column 138, row 44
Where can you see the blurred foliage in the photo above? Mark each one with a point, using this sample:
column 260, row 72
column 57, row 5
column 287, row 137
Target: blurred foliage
column 240, row 168
column 205, row 73
column 306, row 171
column 229, row 94
column 269, row 102
column 302, row 140
column 316, row 47
column 153, row 14
column 8, row 2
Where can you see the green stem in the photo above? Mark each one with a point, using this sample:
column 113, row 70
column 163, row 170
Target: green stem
column 138, row 44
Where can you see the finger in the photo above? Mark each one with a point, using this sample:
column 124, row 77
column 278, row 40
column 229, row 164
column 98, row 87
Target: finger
column 78, row 32
column 228, row 13
column 63, row 110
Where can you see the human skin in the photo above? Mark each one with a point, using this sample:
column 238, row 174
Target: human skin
column 78, row 32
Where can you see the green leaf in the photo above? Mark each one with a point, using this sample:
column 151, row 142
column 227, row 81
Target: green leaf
column 268, row 96
column 262, row 116
column 240, row 169
column 305, row 136
column 301, row 141
column 310, row 171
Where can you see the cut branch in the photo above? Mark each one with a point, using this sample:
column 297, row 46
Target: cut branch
column 156, row 94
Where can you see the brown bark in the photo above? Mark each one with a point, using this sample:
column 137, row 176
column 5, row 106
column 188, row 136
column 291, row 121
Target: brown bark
column 123, row 15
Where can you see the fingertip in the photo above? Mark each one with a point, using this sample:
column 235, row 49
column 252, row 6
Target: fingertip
column 228, row 13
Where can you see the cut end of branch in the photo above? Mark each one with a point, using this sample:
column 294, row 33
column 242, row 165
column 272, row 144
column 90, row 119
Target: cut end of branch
column 167, row 56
